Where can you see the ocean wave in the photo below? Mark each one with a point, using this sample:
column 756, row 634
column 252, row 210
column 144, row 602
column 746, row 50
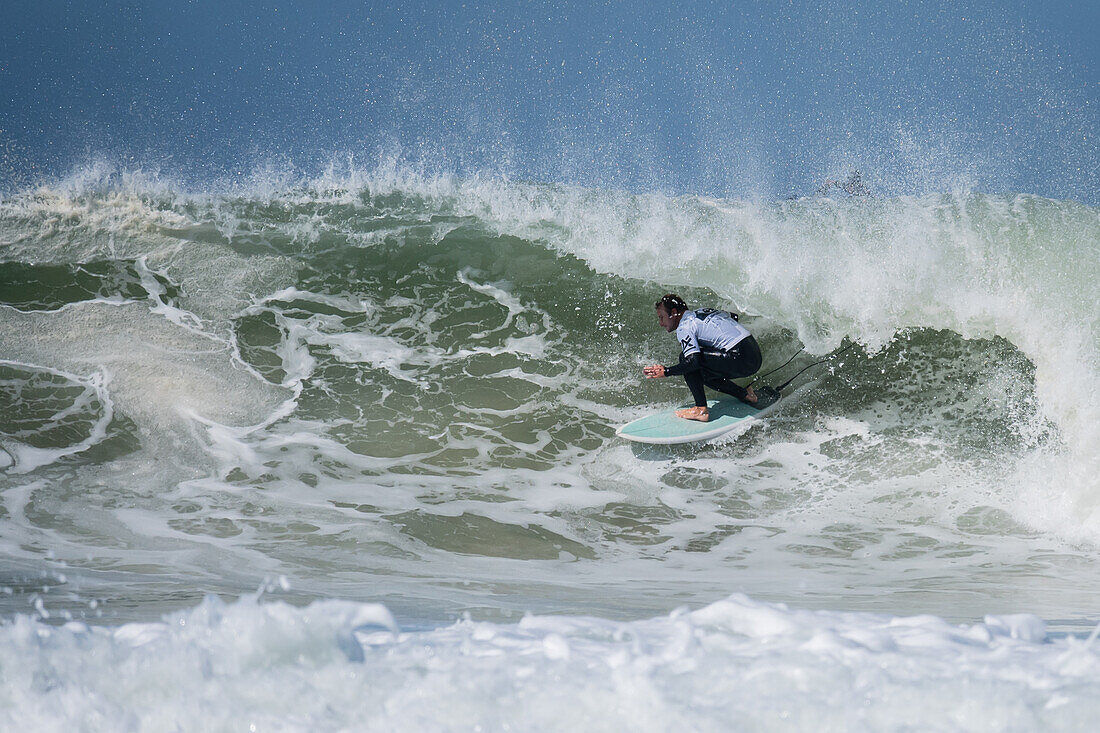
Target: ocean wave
column 370, row 369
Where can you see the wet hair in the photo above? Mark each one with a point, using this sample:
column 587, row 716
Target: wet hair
column 672, row 302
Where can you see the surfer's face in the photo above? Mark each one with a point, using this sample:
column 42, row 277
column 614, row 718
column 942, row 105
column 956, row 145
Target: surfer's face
column 668, row 321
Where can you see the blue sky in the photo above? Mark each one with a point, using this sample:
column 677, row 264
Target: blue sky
column 733, row 98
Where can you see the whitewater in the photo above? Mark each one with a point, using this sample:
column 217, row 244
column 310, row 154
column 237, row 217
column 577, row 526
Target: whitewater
column 338, row 452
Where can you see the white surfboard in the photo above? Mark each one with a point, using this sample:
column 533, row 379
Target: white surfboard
column 665, row 428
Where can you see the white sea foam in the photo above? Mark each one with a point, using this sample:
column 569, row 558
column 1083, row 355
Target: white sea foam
column 737, row 662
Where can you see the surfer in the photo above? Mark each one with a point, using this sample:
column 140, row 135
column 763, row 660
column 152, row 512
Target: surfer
column 715, row 349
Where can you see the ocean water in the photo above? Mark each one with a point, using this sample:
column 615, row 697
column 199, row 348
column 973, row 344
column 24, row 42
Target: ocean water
column 338, row 453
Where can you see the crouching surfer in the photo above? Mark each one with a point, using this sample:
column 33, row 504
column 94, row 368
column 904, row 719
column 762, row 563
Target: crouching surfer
column 715, row 349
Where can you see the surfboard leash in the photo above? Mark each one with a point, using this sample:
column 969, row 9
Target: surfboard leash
column 773, row 371
column 810, row 366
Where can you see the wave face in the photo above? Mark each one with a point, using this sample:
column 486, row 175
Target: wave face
column 382, row 386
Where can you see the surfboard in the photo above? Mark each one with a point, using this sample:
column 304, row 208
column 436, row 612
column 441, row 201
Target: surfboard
column 665, row 428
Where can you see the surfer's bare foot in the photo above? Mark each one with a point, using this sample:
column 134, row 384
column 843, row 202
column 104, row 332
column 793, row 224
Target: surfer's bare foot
column 750, row 396
column 694, row 413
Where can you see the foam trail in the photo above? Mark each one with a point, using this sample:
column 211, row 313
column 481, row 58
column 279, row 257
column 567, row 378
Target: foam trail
column 169, row 368
column 26, row 458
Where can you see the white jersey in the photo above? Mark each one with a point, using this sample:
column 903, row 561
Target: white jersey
column 706, row 329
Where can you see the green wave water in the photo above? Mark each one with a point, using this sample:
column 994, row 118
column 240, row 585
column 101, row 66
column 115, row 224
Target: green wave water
column 391, row 387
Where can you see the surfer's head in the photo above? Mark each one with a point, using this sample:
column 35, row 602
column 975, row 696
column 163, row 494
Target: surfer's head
column 670, row 309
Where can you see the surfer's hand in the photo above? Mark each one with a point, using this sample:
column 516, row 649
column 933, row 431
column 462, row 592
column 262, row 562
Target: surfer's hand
column 654, row 371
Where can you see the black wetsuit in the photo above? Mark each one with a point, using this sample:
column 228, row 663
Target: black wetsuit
column 715, row 349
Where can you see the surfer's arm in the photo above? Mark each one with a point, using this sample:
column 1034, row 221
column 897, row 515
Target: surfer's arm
column 688, row 364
